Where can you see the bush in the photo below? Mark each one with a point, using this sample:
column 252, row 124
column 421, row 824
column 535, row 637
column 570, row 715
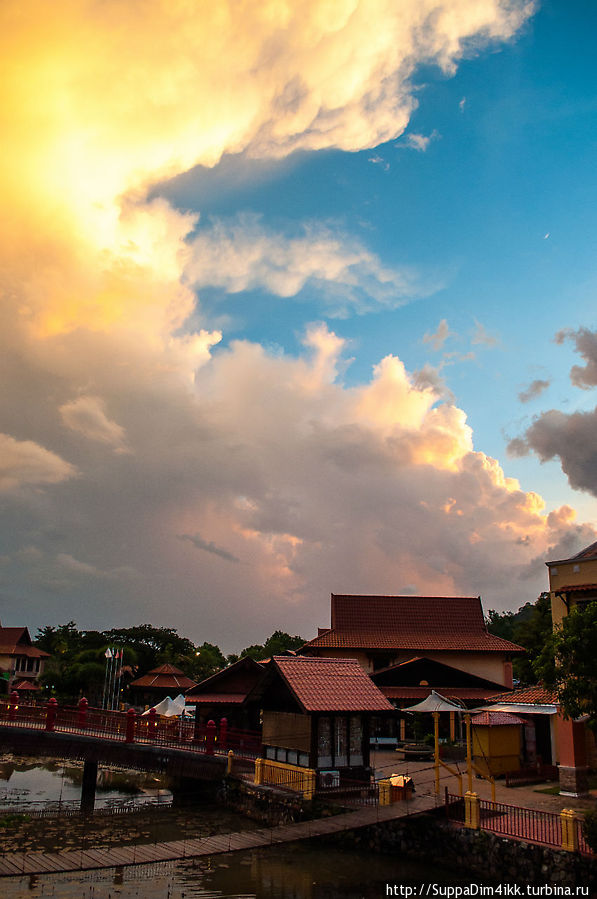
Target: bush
column 589, row 829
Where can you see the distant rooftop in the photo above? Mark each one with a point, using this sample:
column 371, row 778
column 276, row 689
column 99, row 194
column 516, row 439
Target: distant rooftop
column 409, row 622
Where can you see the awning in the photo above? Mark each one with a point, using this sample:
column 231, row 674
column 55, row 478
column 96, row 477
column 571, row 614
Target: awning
column 435, row 702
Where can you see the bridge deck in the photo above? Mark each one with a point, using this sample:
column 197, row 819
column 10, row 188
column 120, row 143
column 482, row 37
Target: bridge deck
column 19, row 863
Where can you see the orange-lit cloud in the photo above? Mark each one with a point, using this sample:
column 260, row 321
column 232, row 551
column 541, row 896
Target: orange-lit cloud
column 225, row 493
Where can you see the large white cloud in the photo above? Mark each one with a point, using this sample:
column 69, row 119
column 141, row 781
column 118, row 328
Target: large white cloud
column 245, row 486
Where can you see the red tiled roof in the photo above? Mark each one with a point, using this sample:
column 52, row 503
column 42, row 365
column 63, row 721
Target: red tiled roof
column 331, row 685
column 165, row 677
column 474, row 693
column 491, row 719
column 16, row 641
column 409, row 622
column 211, row 698
column 528, row 695
column 25, row 685
column 589, row 552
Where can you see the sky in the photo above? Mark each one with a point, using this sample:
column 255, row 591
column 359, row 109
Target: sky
column 296, row 298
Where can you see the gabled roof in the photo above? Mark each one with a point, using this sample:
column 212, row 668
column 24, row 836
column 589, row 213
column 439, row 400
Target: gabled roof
column 409, row 622
column 493, row 719
column 16, row 641
column 589, row 552
column 330, row 685
column 538, row 695
column 164, row 677
column 432, row 673
column 231, row 684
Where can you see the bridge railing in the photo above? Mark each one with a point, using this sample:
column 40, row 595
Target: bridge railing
column 179, row 733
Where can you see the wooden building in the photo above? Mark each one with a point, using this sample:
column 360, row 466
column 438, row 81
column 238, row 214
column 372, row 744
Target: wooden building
column 316, row 714
column 21, row 663
column 226, row 694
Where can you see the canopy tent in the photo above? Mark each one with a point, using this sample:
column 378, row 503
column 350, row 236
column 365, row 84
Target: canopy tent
column 169, row 707
column 435, row 702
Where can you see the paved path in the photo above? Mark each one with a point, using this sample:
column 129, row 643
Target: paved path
column 385, row 763
column 19, row 863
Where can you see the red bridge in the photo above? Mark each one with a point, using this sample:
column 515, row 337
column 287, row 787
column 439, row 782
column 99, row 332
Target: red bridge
column 182, row 749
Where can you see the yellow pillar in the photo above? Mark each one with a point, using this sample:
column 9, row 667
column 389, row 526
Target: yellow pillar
column 309, row 784
column 452, row 726
column 436, row 747
column 230, row 760
column 569, row 832
column 471, row 810
column 469, row 753
column 402, row 730
column 258, row 771
column 385, row 792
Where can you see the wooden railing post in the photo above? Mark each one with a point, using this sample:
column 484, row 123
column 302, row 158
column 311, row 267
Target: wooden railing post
column 223, row 734
column 51, row 711
column 210, row 737
column 230, row 762
column 385, row 792
column 13, row 704
column 131, row 720
column 82, row 713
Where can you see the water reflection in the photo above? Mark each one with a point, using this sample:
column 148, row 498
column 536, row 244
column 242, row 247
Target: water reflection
column 300, row 871
column 31, row 782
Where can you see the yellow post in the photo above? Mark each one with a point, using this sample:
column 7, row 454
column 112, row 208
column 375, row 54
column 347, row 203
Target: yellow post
column 309, row 784
column 471, row 810
column 469, row 753
column 385, row 792
column 569, row 832
column 230, row 760
column 258, row 771
column 452, row 726
column 436, row 747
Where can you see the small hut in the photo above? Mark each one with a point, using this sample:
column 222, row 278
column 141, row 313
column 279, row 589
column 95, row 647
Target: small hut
column 226, row 694
column 316, row 714
column 165, row 680
column 497, row 742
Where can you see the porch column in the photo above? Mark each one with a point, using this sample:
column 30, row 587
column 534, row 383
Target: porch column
column 573, row 767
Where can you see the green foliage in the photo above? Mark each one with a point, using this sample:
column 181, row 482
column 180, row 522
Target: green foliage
column 574, row 673
column 275, row 645
column 530, row 627
column 589, row 828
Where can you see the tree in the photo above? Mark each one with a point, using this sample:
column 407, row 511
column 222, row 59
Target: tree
column 275, row 645
column 573, row 672
column 530, row 627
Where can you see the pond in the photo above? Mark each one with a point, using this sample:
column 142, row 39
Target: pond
column 32, row 783
column 298, row 871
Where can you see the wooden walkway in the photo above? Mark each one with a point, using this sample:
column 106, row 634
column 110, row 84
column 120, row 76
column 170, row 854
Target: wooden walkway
column 20, row 863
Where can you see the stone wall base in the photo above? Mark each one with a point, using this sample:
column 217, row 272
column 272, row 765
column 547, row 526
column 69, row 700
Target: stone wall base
column 574, row 781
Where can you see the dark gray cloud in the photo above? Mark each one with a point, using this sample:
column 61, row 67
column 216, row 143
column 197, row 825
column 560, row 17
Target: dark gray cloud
column 534, row 390
column 209, row 547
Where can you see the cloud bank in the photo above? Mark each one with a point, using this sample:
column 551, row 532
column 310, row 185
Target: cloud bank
column 130, row 440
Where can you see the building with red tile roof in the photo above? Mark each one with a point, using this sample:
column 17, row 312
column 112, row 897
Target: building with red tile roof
column 316, row 713
column 380, row 631
column 226, row 694
column 165, row 680
column 20, row 660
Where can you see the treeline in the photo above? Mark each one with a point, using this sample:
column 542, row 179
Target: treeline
column 77, row 664
column 531, row 628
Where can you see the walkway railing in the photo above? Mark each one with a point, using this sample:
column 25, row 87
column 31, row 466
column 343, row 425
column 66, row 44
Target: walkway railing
column 531, row 825
column 129, row 727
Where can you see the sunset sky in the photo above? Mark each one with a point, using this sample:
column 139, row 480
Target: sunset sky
column 297, row 298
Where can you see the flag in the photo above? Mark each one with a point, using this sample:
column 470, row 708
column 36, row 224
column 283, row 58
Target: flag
column 108, row 653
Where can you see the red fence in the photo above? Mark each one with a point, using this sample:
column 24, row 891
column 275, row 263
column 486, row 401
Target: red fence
column 531, row 825
column 176, row 733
